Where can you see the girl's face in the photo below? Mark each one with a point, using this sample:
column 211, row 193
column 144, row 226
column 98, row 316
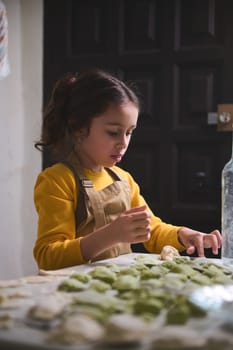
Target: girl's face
column 108, row 137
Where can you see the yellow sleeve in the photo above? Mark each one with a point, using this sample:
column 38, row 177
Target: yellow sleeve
column 55, row 198
column 161, row 233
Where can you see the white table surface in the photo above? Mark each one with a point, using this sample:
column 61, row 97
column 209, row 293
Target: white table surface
column 24, row 337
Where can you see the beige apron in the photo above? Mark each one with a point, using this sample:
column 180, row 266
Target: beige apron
column 98, row 208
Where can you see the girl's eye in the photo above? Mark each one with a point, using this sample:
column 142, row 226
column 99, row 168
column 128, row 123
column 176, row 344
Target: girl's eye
column 116, row 133
column 112, row 133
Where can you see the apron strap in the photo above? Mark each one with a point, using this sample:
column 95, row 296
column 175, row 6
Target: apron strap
column 87, row 189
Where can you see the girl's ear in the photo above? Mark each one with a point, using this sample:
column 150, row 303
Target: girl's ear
column 79, row 135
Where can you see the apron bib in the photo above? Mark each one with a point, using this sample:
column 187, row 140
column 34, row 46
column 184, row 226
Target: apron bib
column 98, row 208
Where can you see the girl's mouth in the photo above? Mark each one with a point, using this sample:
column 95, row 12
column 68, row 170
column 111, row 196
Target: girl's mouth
column 116, row 157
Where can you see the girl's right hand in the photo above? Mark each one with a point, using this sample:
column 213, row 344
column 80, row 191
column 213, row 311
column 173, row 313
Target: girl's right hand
column 132, row 226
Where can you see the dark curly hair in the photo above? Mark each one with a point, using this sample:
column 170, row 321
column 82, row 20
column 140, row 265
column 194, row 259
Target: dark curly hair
column 78, row 98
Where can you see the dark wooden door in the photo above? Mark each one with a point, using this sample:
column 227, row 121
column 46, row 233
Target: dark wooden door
column 180, row 54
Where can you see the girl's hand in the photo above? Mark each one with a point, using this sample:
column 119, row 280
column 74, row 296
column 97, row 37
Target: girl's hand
column 132, row 226
column 195, row 240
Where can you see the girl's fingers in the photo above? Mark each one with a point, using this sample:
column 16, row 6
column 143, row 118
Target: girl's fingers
column 196, row 242
column 211, row 241
column 136, row 209
column 218, row 236
column 142, row 237
column 141, row 222
column 190, row 250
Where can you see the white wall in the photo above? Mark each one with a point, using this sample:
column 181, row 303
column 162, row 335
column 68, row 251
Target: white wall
column 20, row 121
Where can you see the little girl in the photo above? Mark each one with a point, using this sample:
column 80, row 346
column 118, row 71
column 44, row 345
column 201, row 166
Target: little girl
column 89, row 208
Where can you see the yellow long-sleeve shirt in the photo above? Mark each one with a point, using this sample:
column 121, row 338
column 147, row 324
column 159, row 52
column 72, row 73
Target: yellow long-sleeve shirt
column 55, row 197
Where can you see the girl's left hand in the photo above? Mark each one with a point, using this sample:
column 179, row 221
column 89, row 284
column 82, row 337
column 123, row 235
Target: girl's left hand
column 195, row 240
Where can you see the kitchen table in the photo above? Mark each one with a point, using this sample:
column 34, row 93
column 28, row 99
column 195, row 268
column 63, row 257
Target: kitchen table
column 19, row 297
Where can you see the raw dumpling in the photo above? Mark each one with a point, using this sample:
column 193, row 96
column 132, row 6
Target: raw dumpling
column 168, row 253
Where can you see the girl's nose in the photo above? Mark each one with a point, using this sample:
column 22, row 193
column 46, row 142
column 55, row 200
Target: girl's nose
column 123, row 142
